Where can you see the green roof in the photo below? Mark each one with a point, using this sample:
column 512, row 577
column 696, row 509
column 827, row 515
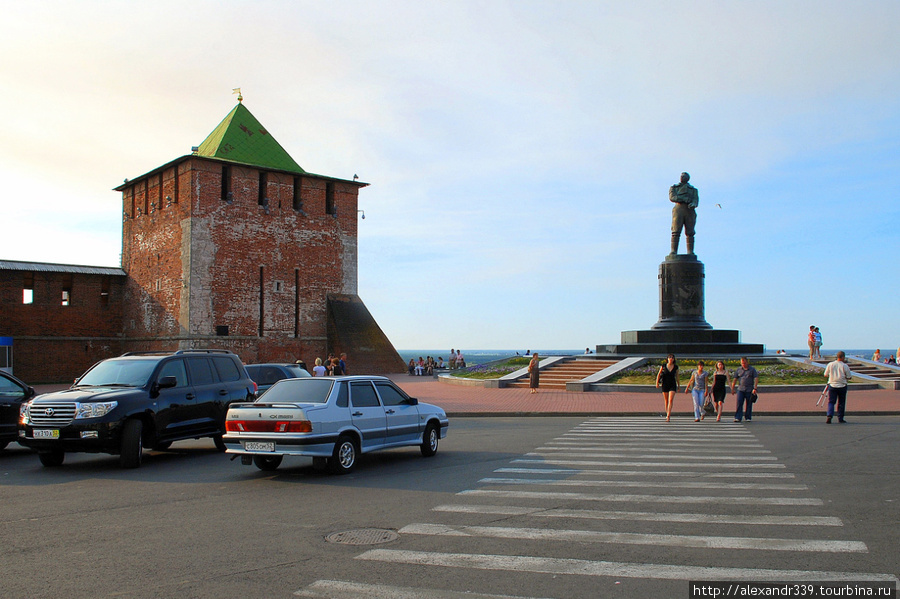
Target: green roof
column 240, row 138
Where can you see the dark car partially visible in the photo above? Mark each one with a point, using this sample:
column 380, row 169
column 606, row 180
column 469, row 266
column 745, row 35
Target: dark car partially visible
column 13, row 393
column 266, row 375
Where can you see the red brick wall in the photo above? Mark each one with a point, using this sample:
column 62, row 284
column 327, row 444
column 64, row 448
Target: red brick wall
column 53, row 342
column 152, row 254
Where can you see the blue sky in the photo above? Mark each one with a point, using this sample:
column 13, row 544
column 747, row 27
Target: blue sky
column 519, row 153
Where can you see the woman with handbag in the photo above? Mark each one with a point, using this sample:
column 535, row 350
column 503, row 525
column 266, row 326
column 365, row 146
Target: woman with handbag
column 697, row 388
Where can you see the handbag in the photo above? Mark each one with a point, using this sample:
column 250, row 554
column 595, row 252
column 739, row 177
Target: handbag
column 753, row 397
column 708, row 406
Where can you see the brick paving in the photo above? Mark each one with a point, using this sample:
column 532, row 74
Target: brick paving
column 462, row 400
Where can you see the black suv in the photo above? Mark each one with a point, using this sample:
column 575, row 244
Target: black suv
column 137, row 400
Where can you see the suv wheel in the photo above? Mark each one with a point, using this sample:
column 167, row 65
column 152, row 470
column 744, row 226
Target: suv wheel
column 132, row 448
column 52, row 458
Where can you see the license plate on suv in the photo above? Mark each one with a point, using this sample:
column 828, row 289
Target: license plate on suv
column 259, row 445
column 42, row 433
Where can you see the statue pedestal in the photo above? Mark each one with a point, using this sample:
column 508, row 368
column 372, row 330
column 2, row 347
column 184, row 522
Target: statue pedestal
column 681, row 293
column 682, row 328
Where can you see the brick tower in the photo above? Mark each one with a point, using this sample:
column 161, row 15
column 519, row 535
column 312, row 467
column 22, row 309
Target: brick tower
column 236, row 246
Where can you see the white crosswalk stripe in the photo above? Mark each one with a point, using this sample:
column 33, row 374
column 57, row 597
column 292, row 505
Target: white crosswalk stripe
column 638, row 498
column 509, row 510
column 694, row 464
column 705, row 480
column 618, row 454
column 643, row 484
column 582, row 567
column 713, row 542
column 669, row 473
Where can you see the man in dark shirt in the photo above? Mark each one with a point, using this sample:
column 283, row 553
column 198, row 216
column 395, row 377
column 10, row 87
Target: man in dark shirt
column 747, row 379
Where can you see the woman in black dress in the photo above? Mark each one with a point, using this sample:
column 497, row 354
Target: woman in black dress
column 720, row 382
column 667, row 378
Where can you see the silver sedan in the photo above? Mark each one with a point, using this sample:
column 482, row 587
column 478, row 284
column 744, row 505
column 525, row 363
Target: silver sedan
column 332, row 420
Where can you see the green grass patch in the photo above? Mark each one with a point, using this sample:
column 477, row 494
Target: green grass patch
column 771, row 372
column 493, row 370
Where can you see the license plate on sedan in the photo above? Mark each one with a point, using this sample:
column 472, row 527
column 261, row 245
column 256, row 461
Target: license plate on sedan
column 42, row 433
column 259, row 445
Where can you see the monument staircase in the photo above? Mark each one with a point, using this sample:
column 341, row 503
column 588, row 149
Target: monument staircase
column 883, row 372
column 557, row 375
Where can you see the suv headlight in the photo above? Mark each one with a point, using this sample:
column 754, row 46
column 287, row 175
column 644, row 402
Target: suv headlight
column 25, row 412
column 94, row 410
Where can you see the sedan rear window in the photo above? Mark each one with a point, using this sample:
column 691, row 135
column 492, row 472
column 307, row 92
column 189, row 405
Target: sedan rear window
column 305, row 390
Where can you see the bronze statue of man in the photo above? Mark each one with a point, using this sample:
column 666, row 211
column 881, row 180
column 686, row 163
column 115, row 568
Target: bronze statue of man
column 684, row 212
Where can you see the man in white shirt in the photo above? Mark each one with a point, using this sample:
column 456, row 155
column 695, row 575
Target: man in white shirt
column 838, row 374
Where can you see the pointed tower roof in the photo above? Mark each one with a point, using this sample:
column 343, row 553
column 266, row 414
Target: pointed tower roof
column 241, row 138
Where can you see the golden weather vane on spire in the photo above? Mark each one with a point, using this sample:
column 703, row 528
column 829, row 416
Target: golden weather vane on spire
column 237, row 91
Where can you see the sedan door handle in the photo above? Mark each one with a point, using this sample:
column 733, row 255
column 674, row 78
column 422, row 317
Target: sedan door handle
column 189, row 396
column 356, row 414
column 389, row 411
column 223, row 391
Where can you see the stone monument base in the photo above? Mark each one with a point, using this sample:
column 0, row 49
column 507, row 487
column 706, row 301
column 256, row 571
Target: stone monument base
column 681, row 342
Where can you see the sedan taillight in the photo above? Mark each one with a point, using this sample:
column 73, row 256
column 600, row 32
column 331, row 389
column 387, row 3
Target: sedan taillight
column 268, row 426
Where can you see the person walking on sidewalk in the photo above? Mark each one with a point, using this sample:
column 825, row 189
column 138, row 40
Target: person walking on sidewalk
column 534, row 373
column 838, row 373
column 697, row 388
column 667, row 378
column 747, row 379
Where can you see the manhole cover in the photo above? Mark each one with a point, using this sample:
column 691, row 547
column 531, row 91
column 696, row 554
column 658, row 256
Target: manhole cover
column 363, row 536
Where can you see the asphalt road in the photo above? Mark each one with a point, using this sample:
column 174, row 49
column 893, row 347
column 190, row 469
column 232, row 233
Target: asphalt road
column 554, row 507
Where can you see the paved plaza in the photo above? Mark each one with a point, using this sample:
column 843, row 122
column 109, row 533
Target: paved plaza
column 473, row 400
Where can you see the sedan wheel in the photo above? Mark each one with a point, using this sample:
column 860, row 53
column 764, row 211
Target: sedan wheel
column 343, row 460
column 429, row 445
column 267, row 463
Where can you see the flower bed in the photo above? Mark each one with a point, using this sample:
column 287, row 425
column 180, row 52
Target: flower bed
column 771, row 372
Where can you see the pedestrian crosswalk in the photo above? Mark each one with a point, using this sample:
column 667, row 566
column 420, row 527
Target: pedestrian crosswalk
column 692, row 502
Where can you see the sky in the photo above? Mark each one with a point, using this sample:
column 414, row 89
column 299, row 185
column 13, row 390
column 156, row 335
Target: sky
column 519, row 152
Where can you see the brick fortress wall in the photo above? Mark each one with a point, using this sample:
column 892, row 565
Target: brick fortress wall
column 53, row 342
